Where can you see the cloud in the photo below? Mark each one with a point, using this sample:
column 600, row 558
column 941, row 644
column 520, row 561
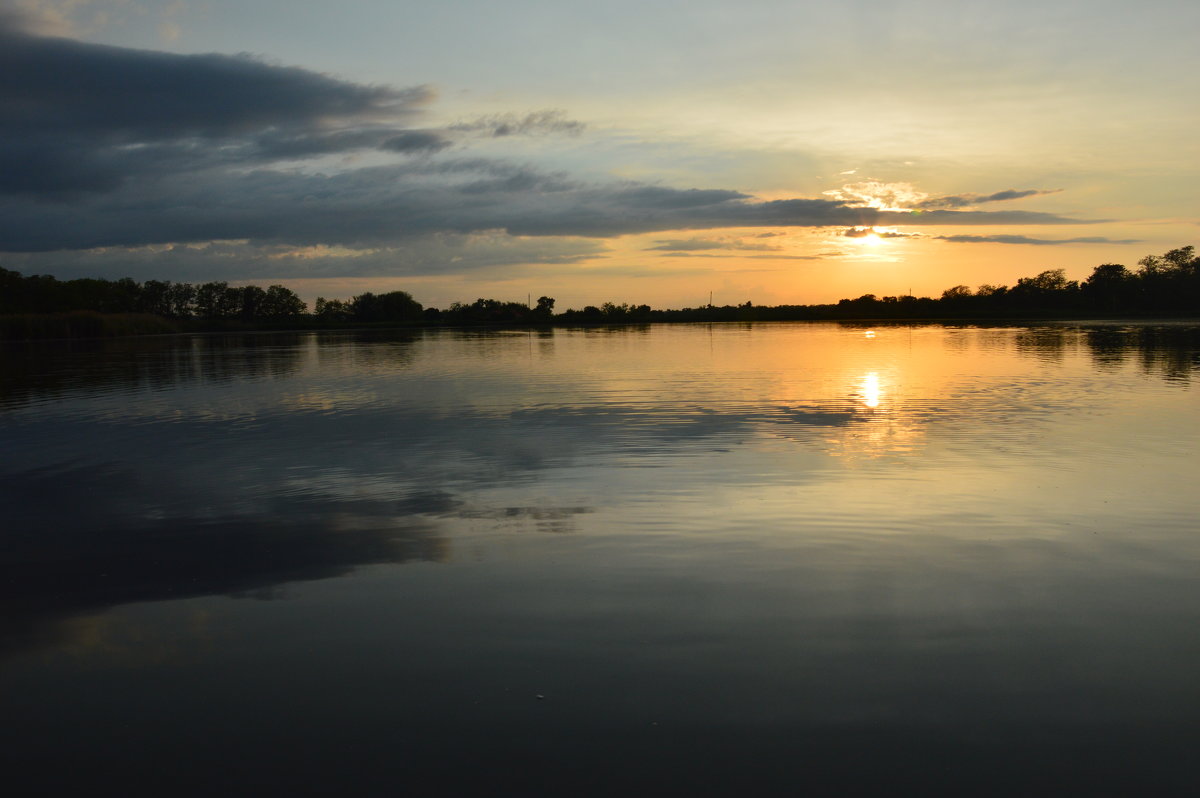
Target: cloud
column 748, row 257
column 388, row 204
column 40, row 18
column 877, row 194
column 112, row 148
column 537, row 123
column 968, row 200
column 785, row 257
column 701, row 244
column 415, row 141
column 1009, row 239
column 83, row 117
column 863, row 232
column 238, row 260
column 903, row 196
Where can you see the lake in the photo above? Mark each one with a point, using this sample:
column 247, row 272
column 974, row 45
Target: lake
column 757, row 559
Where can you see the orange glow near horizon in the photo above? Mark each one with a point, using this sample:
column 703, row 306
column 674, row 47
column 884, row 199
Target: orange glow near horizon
column 767, row 266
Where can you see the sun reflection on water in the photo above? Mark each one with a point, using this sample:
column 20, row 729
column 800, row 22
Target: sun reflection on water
column 883, row 423
column 869, row 390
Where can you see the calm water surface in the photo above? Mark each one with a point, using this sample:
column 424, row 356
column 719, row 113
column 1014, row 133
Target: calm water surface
column 675, row 560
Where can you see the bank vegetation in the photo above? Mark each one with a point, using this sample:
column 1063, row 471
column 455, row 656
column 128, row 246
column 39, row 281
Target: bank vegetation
column 42, row 306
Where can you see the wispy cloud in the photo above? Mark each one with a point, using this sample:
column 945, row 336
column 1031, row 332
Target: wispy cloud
column 904, row 196
column 774, row 256
column 415, row 141
column 877, row 194
column 536, row 123
column 40, row 17
column 970, row 200
column 1009, row 239
column 702, row 244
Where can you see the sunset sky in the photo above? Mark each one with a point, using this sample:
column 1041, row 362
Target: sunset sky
column 643, row 152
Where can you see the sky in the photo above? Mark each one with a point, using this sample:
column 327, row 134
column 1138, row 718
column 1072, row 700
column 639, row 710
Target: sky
column 644, row 152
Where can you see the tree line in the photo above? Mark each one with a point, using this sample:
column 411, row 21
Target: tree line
column 41, row 293
column 1167, row 283
column 1162, row 284
column 45, row 294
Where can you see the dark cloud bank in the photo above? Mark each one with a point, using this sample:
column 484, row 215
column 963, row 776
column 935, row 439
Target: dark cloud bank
column 83, row 117
column 112, row 147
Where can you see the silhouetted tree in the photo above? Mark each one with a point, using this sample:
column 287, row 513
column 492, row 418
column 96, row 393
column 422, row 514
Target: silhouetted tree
column 957, row 300
column 251, row 297
column 281, row 303
column 392, row 306
column 210, row 299
column 153, row 298
column 1171, row 281
column 181, row 298
column 1109, row 287
column 331, row 309
column 545, row 308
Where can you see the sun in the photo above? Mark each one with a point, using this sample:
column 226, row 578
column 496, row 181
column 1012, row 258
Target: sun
column 867, row 236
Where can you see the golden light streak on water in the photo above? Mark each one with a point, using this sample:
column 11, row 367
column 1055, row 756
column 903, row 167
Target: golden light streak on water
column 869, row 390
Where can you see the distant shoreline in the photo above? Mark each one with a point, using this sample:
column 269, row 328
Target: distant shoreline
column 89, row 325
column 40, row 306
